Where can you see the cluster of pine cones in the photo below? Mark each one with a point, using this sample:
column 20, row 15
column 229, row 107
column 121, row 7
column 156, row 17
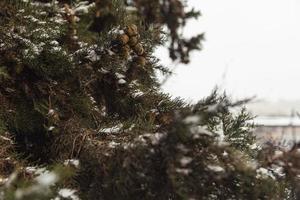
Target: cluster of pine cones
column 128, row 43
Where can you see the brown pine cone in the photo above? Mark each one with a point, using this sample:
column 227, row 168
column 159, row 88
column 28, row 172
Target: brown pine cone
column 133, row 41
column 138, row 49
column 140, row 61
column 125, row 51
column 131, row 30
column 123, row 39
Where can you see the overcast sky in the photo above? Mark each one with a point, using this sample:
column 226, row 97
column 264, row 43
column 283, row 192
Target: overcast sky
column 252, row 48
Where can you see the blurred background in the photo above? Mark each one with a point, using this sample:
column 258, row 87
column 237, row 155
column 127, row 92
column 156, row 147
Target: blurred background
column 252, row 49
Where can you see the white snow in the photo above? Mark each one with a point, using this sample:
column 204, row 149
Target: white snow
column 192, row 119
column 92, row 99
column 72, row 162
column 154, row 138
column 54, row 43
column 154, row 111
column 252, row 164
column 111, row 53
column 184, row 161
column 213, row 108
column 11, row 179
column 58, row 20
column 122, row 81
column 215, row 168
column 43, row 13
column 51, row 112
column 103, row 71
column 264, row 173
column 47, row 178
column 131, row 9
column 225, row 154
column 30, row 170
column 40, row 171
column 114, row 129
column 92, row 56
column 83, row 7
column 6, row 138
column 3, row 181
column 183, row 171
column 44, row 181
column 137, row 93
column 68, row 193
column 51, row 128
column 119, row 76
column 254, row 146
column 200, row 130
column 31, row 18
column 41, row 22
column 113, row 144
column 56, row 49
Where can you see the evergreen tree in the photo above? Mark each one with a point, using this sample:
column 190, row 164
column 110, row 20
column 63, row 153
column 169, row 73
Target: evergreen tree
column 82, row 115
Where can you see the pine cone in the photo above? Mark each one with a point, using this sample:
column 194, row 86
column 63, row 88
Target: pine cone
column 133, row 41
column 123, row 39
column 131, row 30
column 125, row 51
column 140, row 61
column 138, row 49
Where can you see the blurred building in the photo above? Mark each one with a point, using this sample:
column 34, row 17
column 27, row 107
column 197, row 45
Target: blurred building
column 279, row 130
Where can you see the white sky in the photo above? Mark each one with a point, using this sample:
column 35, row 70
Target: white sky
column 256, row 43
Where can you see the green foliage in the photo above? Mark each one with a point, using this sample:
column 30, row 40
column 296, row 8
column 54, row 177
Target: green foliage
column 237, row 129
column 38, row 183
column 173, row 15
column 54, row 65
column 3, row 74
column 2, row 127
column 234, row 126
column 71, row 88
column 27, row 119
